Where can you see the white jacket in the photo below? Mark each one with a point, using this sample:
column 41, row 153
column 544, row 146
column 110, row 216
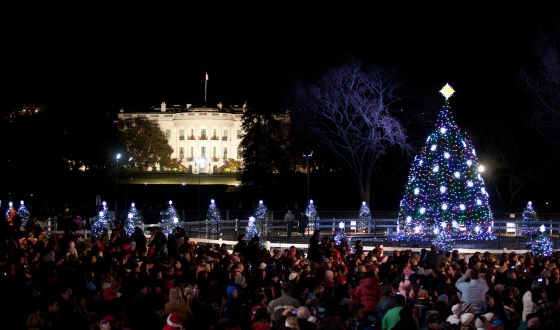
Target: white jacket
column 528, row 305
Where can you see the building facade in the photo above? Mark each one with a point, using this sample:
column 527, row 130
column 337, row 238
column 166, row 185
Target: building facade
column 201, row 138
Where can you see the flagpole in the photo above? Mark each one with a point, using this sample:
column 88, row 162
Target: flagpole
column 205, row 87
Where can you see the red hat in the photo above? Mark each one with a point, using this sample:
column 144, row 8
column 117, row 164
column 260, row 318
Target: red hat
column 174, row 322
column 341, row 279
column 109, row 294
column 336, row 252
column 377, row 249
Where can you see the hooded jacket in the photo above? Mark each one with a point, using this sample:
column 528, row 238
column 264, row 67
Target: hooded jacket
column 368, row 293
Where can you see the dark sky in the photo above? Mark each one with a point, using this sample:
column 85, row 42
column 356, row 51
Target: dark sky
column 103, row 58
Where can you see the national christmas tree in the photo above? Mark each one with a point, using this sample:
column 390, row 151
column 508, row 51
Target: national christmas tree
column 23, row 213
column 445, row 189
column 133, row 220
column 365, row 217
column 529, row 214
column 103, row 221
column 542, row 245
column 213, row 215
column 170, row 218
column 311, row 213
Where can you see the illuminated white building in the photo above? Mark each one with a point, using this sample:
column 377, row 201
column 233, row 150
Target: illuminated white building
column 201, row 138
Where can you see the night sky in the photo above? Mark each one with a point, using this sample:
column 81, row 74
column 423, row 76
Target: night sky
column 105, row 58
column 99, row 59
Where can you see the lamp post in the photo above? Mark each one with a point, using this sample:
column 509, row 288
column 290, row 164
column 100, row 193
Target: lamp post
column 117, row 189
column 126, row 183
column 307, row 159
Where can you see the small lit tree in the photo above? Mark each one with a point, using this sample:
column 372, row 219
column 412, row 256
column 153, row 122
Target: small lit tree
column 170, row 218
column 542, row 245
column 103, row 221
column 365, row 217
column 261, row 219
column 8, row 211
column 529, row 214
column 443, row 238
column 213, row 215
column 133, row 219
column 311, row 213
column 23, row 213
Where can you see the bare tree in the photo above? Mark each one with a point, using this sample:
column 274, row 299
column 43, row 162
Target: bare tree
column 544, row 85
column 348, row 112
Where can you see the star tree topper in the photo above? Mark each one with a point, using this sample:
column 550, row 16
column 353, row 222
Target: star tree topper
column 447, row 91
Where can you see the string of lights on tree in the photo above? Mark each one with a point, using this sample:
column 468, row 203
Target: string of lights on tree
column 23, row 213
column 133, row 219
column 103, row 221
column 543, row 244
column 529, row 214
column 445, row 195
column 170, row 217
column 365, row 217
column 311, row 212
column 213, row 215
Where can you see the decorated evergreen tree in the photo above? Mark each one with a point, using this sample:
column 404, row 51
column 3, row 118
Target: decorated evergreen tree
column 23, row 213
column 103, row 221
column 365, row 217
column 341, row 233
column 529, row 214
column 251, row 229
column 311, row 213
column 542, row 245
column 443, row 239
column 261, row 219
column 170, row 218
column 213, row 215
column 445, row 188
column 10, row 205
column 133, row 219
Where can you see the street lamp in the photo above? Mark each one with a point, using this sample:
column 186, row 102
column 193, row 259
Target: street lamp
column 117, row 189
column 126, row 183
column 307, row 159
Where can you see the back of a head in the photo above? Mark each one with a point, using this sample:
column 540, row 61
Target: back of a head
column 474, row 274
column 292, row 323
column 406, row 314
column 286, row 287
column 303, row 313
column 399, row 300
column 240, row 280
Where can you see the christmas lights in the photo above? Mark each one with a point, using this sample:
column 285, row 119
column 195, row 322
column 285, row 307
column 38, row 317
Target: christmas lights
column 445, row 187
column 170, row 218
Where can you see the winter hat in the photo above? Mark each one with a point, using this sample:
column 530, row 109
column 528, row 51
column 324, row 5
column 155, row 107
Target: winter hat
column 109, row 294
column 413, row 277
column 443, row 297
column 292, row 276
column 466, row 307
column 407, row 271
column 174, row 322
column 479, row 324
column 230, row 290
column 457, row 310
column 341, row 279
column 467, row 318
column 488, row 316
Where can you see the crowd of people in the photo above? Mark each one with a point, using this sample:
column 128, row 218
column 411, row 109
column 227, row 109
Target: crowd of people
column 167, row 281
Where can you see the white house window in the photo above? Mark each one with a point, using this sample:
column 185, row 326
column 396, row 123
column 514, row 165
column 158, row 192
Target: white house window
column 225, row 152
column 181, row 134
column 203, row 152
column 168, row 134
column 224, row 136
column 239, row 136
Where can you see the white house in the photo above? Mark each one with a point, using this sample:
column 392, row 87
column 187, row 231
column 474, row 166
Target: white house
column 201, row 138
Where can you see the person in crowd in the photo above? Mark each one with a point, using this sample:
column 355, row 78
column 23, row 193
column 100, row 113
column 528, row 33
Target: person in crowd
column 473, row 290
column 289, row 220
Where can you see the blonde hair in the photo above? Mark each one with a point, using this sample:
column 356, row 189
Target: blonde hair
column 189, row 293
column 318, row 289
column 33, row 320
column 175, row 299
column 292, row 323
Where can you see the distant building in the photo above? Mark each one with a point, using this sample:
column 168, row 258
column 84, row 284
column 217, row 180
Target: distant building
column 201, row 138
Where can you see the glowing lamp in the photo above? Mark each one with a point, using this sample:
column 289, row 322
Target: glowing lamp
column 442, row 189
column 408, row 219
column 212, row 201
column 443, row 225
column 130, row 215
column 417, row 229
column 477, row 229
column 443, row 130
column 542, row 229
column 175, row 220
column 481, row 168
column 457, row 175
column 446, row 155
column 455, row 224
column 469, row 162
column 433, row 148
column 435, row 169
column 422, row 210
column 416, row 191
column 261, row 202
column 436, row 230
column 462, row 207
column 341, row 225
column 170, row 202
column 133, row 204
column 478, row 202
column 444, row 206
column 364, row 203
column 104, row 203
column 470, row 184
column 100, row 213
